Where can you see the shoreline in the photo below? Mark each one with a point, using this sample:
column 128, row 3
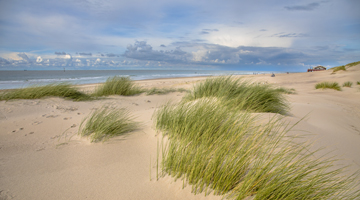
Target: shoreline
column 135, row 81
column 155, row 79
column 44, row 79
column 20, row 79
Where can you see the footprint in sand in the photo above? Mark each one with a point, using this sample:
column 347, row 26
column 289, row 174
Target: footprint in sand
column 36, row 122
column 66, row 109
column 56, row 136
column 5, row 195
column 52, row 116
column 40, row 149
column 29, row 133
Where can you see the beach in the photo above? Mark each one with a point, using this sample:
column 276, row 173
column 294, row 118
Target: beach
column 43, row 157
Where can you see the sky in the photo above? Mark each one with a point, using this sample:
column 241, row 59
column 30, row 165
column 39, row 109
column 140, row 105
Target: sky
column 259, row 35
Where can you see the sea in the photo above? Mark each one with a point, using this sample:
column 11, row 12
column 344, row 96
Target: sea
column 21, row 79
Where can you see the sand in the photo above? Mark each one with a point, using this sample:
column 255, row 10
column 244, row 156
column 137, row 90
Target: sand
column 42, row 157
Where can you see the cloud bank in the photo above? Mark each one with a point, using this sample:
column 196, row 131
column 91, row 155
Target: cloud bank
column 241, row 34
column 308, row 7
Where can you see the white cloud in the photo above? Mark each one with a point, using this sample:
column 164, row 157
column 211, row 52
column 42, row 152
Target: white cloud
column 97, row 61
column 39, row 59
column 249, row 35
column 67, row 56
column 200, row 55
column 11, row 56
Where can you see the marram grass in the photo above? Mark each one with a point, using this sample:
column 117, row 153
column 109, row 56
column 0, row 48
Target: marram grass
column 36, row 92
column 161, row 91
column 242, row 95
column 232, row 154
column 286, row 90
column 118, row 86
column 113, row 86
column 347, row 84
column 105, row 123
column 343, row 68
column 328, row 85
column 353, row 64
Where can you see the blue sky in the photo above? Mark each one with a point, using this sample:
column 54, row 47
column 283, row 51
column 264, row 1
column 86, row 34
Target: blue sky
column 281, row 35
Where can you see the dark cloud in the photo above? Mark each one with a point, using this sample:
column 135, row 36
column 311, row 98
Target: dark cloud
column 351, row 49
column 262, row 30
column 212, row 54
column 85, row 54
column 162, row 45
column 208, row 31
column 308, row 7
column 24, row 57
column 199, row 40
column 322, row 48
column 111, row 55
column 288, row 35
column 211, row 30
column 204, row 32
column 142, row 51
column 60, row 53
column 3, row 61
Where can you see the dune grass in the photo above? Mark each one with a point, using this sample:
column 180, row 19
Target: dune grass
column 161, row 91
column 328, row 85
column 347, row 84
column 113, row 86
column 105, row 123
column 343, row 67
column 241, row 95
column 358, row 82
column 353, row 64
column 36, row 92
column 286, row 90
column 335, row 69
column 232, row 154
column 118, row 86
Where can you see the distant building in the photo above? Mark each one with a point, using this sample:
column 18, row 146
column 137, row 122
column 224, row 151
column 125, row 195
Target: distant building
column 317, row 68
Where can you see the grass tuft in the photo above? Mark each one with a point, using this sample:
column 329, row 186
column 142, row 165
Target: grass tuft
column 286, row 90
column 36, row 92
column 241, row 95
column 118, row 86
column 153, row 91
column 347, row 84
column 234, row 155
column 328, row 85
column 358, row 82
column 105, row 123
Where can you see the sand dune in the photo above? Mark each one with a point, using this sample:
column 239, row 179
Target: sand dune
column 42, row 157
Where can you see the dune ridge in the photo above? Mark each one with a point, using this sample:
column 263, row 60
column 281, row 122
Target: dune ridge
column 43, row 157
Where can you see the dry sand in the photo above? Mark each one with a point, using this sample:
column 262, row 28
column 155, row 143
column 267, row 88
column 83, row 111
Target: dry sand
column 41, row 156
